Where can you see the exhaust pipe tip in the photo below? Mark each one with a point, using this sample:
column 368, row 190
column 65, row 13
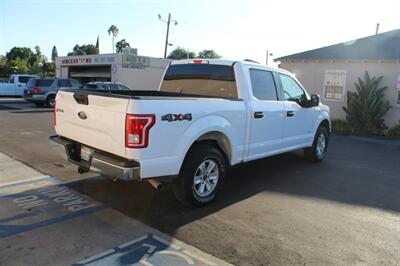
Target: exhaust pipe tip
column 156, row 184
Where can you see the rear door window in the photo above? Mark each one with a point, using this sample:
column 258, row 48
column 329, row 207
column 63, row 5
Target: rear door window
column 44, row 82
column 63, row 83
column 113, row 86
column 104, row 86
column 263, row 85
column 75, row 83
column 201, row 79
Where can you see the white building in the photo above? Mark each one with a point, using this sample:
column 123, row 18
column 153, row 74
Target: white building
column 138, row 72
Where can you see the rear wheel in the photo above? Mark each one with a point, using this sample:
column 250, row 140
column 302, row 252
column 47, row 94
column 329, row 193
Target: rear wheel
column 317, row 151
column 201, row 176
column 50, row 101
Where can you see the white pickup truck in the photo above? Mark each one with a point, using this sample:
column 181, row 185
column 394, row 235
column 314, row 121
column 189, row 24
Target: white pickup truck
column 207, row 115
column 16, row 85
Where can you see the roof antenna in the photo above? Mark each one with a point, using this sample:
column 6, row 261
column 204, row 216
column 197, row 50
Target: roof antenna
column 377, row 29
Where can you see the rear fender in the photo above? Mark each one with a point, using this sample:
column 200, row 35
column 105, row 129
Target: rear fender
column 212, row 123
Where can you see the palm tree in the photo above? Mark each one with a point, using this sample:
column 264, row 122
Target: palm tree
column 114, row 31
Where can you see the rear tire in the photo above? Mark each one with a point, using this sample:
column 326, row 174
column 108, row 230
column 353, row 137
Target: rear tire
column 317, row 151
column 201, row 176
column 50, row 101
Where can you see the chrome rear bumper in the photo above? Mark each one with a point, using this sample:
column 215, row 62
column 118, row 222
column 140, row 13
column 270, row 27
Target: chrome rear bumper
column 100, row 162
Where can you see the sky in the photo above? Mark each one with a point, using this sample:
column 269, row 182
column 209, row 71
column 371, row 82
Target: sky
column 243, row 29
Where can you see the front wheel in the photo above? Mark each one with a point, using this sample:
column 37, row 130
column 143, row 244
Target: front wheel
column 317, row 151
column 201, row 176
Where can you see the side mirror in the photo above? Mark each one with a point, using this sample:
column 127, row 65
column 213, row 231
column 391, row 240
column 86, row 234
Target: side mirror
column 314, row 100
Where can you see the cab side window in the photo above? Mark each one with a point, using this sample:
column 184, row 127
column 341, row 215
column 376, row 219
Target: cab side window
column 292, row 90
column 263, row 85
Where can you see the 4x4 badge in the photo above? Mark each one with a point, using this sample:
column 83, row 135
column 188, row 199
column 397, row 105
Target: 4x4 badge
column 176, row 117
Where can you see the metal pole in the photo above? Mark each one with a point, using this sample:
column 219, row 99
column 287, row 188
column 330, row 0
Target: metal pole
column 266, row 61
column 377, row 28
column 166, row 39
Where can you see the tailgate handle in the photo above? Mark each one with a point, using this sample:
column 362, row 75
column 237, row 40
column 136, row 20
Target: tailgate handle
column 81, row 98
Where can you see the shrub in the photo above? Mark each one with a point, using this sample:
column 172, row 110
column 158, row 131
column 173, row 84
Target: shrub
column 394, row 132
column 341, row 126
column 367, row 105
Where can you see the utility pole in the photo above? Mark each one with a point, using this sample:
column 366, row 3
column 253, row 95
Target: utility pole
column 167, row 36
column 266, row 60
column 377, row 29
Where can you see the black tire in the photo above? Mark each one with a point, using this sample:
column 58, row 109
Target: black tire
column 39, row 104
column 50, row 101
column 184, row 187
column 313, row 153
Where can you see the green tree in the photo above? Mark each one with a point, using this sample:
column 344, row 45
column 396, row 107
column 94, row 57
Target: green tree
column 3, row 67
column 367, row 105
column 18, row 65
column 85, row 49
column 54, row 53
column 113, row 30
column 97, row 43
column 121, row 45
column 24, row 53
column 211, row 54
column 180, row 53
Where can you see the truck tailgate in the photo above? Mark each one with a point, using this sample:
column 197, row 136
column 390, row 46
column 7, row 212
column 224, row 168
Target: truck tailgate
column 100, row 123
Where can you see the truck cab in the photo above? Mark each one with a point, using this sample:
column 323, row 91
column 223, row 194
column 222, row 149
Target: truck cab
column 16, row 85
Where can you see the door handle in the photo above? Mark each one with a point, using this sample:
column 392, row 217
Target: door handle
column 258, row 115
column 290, row 113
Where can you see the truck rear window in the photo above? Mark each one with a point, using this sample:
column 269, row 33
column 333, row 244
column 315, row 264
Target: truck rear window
column 201, row 79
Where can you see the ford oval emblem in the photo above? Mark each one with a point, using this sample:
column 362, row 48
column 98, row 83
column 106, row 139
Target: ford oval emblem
column 82, row 115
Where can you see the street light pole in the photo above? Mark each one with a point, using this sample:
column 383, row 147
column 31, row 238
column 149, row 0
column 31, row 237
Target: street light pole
column 266, row 60
column 166, row 38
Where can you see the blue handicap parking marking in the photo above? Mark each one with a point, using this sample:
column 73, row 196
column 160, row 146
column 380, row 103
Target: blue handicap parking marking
column 147, row 250
column 36, row 208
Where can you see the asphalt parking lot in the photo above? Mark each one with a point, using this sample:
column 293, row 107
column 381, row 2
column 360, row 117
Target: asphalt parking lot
column 281, row 210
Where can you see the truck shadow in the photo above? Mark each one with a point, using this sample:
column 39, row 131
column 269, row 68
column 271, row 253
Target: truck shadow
column 354, row 172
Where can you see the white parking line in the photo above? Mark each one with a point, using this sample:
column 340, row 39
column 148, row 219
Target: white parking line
column 23, row 181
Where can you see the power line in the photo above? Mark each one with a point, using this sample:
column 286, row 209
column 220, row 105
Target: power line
column 224, row 32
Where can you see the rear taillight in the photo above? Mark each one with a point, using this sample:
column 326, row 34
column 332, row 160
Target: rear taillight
column 137, row 128
column 54, row 114
column 35, row 90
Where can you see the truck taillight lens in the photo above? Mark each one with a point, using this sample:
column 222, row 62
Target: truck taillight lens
column 54, row 114
column 35, row 90
column 137, row 129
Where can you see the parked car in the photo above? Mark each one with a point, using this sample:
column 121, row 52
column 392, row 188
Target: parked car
column 97, row 85
column 206, row 116
column 16, row 85
column 42, row 91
